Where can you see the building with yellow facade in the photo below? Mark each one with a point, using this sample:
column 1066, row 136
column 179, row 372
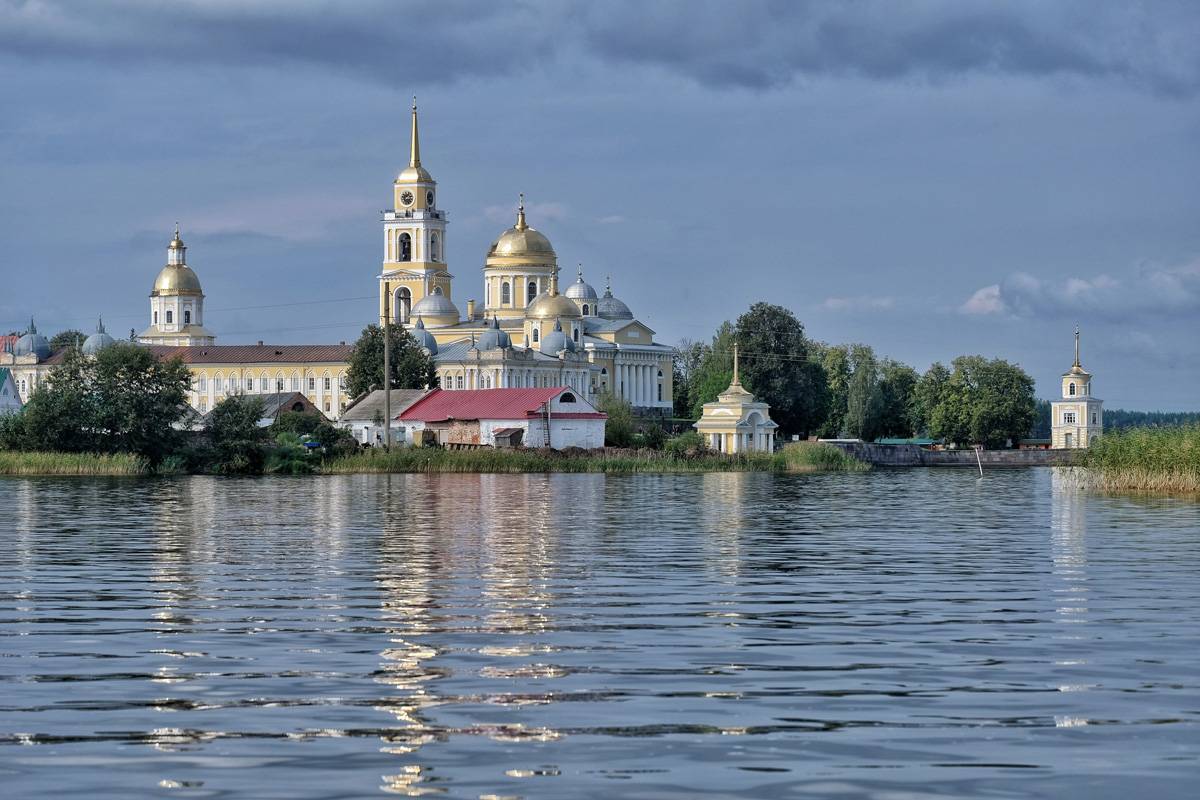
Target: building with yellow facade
column 735, row 422
column 526, row 332
column 1078, row 417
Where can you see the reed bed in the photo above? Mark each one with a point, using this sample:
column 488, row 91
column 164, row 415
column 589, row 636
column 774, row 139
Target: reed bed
column 14, row 462
column 792, row 459
column 1153, row 460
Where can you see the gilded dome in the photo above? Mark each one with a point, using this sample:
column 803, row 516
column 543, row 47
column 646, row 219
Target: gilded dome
column 551, row 306
column 521, row 240
column 176, row 279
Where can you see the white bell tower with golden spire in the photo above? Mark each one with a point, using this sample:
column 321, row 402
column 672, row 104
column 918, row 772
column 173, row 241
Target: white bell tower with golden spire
column 177, row 303
column 414, row 281
column 1078, row 417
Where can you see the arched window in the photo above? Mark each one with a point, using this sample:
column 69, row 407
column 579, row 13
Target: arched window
column 535, row 335
column 403, row 304
column 187, row 316
column 249, row 384
column 203, row 383
column 437, row 290
column 297, row 406
column 279, row 382
column 434, row 250
column 295, row 382
column 1070, row 386
column 585, row 309
column 505, row 294
column 567, row 397
column 575, row 333
column 531, row 291
column 169, row 316
column 404, row 246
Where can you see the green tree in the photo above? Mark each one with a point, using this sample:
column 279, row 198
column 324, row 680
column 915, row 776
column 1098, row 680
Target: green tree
column 412, row 367
column 67, row 338
column 930, row 390
column 122, row 400
column 984, row 402
column 779, row 370
column 897, row 389
column 239, row 444
column 618, row 428
column 689, row 357
column 863, row 401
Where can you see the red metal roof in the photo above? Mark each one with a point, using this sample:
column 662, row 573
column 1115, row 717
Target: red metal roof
column 440, row 405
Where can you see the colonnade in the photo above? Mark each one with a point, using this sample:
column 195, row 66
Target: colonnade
column 638, row 383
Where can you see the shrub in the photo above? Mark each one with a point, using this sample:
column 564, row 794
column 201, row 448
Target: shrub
column 685, row 445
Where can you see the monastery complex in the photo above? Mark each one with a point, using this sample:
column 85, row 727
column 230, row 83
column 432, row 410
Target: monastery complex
column 528, row 332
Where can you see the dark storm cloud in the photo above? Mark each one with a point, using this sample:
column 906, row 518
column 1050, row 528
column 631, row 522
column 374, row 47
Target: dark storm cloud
column 754, row 43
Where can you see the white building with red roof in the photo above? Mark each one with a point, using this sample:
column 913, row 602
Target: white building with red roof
column 557, row 417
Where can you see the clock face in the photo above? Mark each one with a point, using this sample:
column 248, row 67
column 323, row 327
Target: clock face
column 406, row 197
column 429, row 199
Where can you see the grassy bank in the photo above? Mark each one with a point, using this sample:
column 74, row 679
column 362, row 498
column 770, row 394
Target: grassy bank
column 14, row 462
column 1159, row 460
column 801, row 457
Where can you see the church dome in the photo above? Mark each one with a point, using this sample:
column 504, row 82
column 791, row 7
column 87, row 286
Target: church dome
column 176, row 279
column 494, row 338
column 580, row 289
column 549, row 306
column 97, row 341
column 438, row 308
column 32, row 343
column 610, row 307
column 424, row 338
column 556, row 341
column 522, row 240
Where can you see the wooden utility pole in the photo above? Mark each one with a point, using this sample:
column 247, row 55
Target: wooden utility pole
column 387, row 370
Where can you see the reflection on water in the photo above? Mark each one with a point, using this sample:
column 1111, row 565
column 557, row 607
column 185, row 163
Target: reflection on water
column 907, row 633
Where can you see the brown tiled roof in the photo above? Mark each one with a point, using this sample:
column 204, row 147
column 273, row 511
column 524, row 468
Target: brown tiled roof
column 257, row 353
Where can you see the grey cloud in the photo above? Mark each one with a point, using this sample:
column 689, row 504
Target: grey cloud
column 754, row 43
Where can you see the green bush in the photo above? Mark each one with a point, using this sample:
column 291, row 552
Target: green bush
column 688, row 443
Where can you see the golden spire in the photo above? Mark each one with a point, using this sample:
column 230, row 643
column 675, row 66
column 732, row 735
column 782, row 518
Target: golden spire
column 1077, row 346
column 521, row 225
column 736, row 382
column 414, row 157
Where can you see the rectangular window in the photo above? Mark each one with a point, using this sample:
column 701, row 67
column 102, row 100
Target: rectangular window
column 458, row 382
column 203, row 384
column 312, row 384
column 1069, row 418
column 295, row 384
column 1093, row 417
column 169, row 315
column 203, row 404
column 326, row 406
column 327, row 387
column 279, row 384
column 249, row 384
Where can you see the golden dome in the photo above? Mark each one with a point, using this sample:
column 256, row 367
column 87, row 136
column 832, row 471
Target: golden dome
column 176, row 279
column 551, row 306
column 521, row 240
column 414, row 174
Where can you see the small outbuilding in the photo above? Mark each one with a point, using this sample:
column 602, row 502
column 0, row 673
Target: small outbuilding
column 364, row 417
column 556, row 417
column 735, row 422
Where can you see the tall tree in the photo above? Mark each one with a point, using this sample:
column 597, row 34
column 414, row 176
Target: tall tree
column 779, row 369
column 67, row 338
column 863, row 400
column 123, row 399
column 412, row 366
column 897, row 387
column 984, row 402
column 927, row 396
column 712, row 370
column 239, row 443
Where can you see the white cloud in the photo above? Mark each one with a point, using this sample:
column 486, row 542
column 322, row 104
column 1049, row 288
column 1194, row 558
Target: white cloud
column 615, row 219
column 859, row 303
column 1149, row 289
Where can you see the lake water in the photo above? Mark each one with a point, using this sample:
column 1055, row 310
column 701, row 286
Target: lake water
column 899, row 634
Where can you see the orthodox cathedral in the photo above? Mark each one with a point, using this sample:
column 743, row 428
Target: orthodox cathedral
column 526, row 333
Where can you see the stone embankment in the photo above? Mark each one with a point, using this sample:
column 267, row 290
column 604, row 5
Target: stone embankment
column 911, row 455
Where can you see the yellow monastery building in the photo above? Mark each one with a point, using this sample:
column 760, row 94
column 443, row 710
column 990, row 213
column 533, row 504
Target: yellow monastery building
column 526, row 333
column 1078, row 417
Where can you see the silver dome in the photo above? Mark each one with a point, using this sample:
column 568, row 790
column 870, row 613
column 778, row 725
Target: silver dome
column 424, row 338
column 556, row 341
column 493, row 338
column 610, row 307
column 434, row 305
column 97, row 341
column 580, row 289
column 32, row 343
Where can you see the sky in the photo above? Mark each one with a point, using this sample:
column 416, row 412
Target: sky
column 932, row 178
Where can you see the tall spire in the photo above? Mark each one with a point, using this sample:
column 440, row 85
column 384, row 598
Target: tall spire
column 414, row 156
column 100, row 324
column 521, row 225
column 1077, row 346
column 736, row 382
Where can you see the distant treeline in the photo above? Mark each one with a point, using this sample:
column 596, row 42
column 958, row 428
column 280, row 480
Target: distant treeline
column 1118, row 419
